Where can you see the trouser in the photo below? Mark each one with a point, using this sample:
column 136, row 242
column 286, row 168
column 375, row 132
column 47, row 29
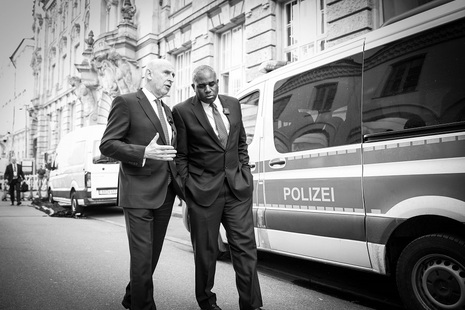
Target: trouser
column 39, row 186
column 236, row 217
column 15, row 187
column 146, row 229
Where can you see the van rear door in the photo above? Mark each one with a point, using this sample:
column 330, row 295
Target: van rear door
column 104, row 177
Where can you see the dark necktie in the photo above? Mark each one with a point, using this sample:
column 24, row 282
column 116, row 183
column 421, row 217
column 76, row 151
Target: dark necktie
column 161, row 116
column 222, row 132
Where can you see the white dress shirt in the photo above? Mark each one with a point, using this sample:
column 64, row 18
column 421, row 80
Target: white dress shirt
column 209, row 111
column 151, row 97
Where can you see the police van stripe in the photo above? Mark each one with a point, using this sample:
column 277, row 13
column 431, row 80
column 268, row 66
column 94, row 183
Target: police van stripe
column 446, row 146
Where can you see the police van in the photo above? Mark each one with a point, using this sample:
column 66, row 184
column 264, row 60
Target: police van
column 80, row 175
column 358, row 156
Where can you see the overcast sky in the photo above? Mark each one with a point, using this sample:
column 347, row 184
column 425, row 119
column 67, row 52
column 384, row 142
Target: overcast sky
column 15, row 25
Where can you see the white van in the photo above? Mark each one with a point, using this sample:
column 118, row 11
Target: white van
column 358, row 156
column 81, row 175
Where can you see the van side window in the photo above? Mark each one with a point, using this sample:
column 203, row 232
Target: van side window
column 249, row 107
column 415, row 82
column 318, row 108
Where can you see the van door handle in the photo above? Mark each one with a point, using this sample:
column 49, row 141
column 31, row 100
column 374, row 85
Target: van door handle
column 252, row 167
column 277, row 163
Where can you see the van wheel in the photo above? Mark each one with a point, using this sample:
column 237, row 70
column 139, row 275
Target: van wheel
column 431, row 273
column 76, row 209
column 50, row 196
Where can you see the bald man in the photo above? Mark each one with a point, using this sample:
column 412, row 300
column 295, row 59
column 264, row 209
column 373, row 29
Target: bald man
column 141, row 134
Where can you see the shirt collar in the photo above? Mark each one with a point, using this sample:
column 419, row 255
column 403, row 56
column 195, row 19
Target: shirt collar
column 217, row 102
column 151, row 97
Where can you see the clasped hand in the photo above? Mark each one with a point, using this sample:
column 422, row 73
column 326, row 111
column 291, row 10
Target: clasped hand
column 159, row 151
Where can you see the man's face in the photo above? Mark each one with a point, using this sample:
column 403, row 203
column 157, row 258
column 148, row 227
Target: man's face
column 206, row 86
column 162, row 79
column 13, row 160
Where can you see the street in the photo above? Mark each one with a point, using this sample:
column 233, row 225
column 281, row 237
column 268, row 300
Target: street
column 67, row 263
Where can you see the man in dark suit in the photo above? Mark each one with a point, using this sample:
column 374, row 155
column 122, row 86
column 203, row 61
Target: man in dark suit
column 212, row 160
column 141, row 134
column 14, row 175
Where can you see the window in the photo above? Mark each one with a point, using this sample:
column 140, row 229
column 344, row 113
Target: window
column 318, row 108
column 304, row 28
column 49, row 131
column 403, row 77
column 72, row 115
column 179, row 4
column 52, row 78
column 415, row 82
column 183, row 76
column 394, row 8
column 74, row 60
column 62, row 69
column 324, row 96
column 231, row 60
column 249, row 106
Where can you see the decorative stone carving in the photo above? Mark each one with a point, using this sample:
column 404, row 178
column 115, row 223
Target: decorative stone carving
column 128, row 11
column 36, row 60
column 85, row 95
column 90, row 39
column 116, row 74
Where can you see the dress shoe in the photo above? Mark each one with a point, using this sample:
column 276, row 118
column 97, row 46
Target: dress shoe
column 18, row 203
column 211, row 307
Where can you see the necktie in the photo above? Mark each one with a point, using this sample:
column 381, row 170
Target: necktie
column 222, row 133
column 161, row 116
column 14, row 168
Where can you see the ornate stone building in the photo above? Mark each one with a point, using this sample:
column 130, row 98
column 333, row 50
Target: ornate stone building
column 89, row 51
column 16, row 87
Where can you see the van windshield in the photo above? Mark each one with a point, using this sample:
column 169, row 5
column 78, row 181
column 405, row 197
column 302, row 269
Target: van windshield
column 99, row 158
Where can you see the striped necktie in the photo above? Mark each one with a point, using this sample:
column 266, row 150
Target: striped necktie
column 161, row 116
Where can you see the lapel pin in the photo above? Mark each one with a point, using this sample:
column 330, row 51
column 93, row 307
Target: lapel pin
column 225, row 111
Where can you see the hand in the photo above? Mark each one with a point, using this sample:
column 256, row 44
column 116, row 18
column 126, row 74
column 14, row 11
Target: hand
column 159, row 151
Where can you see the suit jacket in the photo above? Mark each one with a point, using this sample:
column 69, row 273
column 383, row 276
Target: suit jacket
column 132, row 124
column 202, row 161
column 9, row 173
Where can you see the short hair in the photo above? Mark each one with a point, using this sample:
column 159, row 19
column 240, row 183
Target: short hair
column 201, row 68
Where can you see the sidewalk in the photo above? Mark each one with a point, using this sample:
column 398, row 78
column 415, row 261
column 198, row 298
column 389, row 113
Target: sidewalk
column 177, row 210
column 25, row 209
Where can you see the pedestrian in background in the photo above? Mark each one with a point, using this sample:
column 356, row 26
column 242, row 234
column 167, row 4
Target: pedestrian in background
column 14, row 174
column 40, row 179
column 213, row 162
column 141, row 134
column 5, row 190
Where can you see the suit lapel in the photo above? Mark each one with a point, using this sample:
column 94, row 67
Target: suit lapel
column 148, row 109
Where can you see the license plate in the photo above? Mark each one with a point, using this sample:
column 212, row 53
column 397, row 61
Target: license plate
column 107, row 191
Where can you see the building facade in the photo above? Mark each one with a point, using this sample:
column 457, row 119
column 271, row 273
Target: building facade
column 89, row 51
column 16, row 87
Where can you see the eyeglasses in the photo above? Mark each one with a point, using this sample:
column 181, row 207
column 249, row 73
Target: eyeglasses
column 203, row 86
